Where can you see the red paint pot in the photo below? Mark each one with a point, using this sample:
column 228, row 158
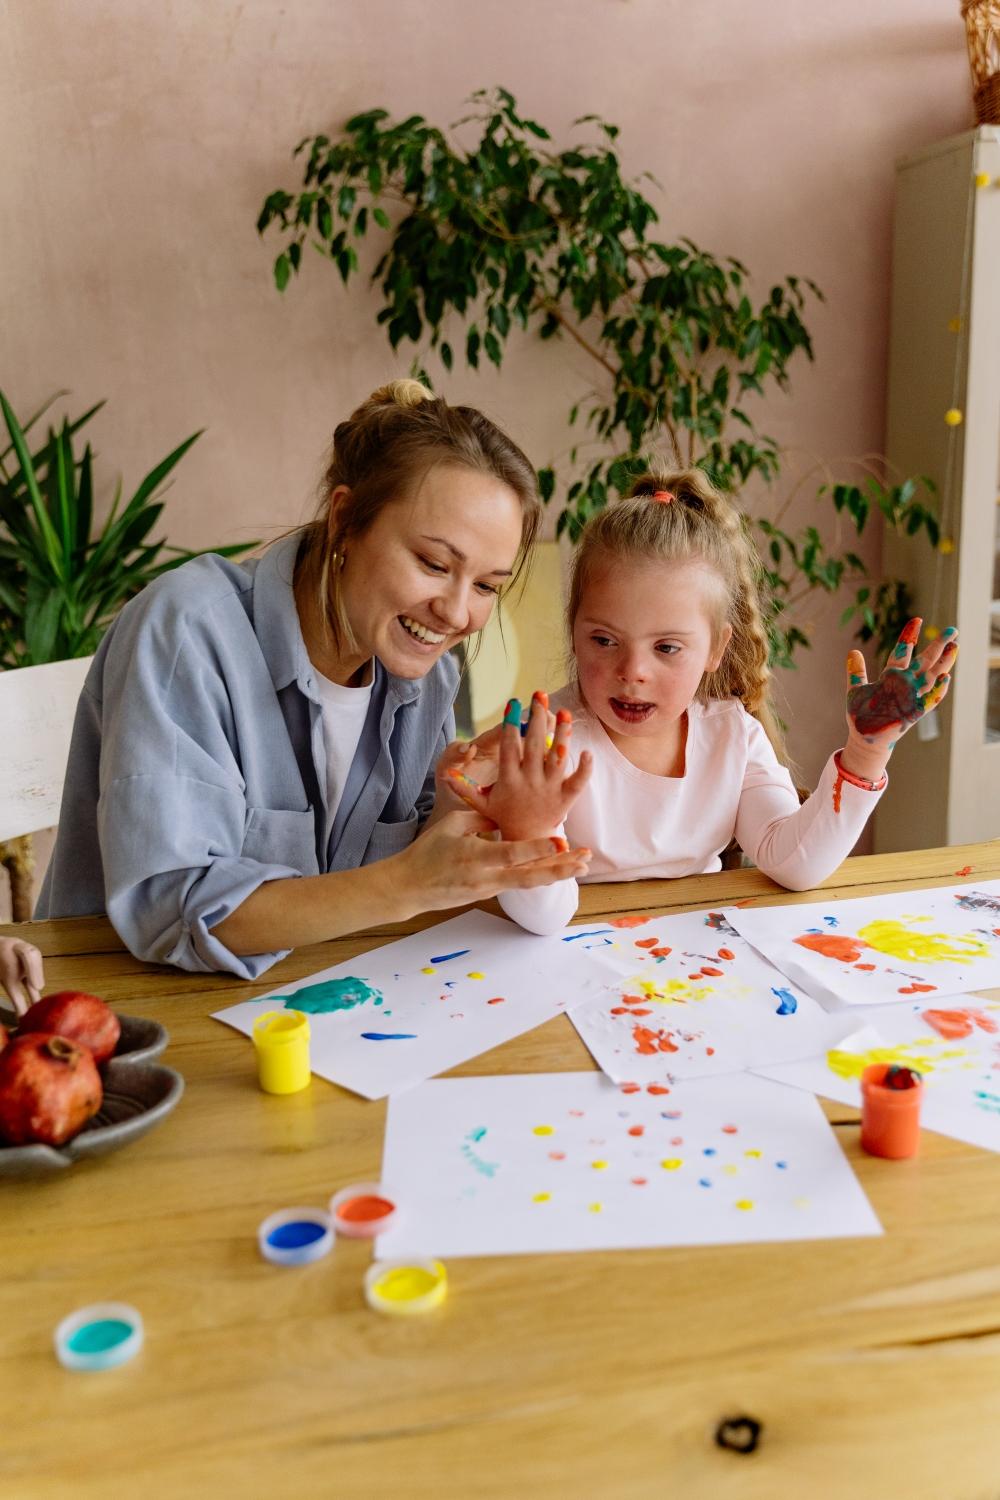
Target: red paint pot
column 890, row 1117
column 363, row 1210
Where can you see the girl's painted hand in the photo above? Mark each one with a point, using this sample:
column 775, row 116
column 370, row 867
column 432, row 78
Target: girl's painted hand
column 451, row 863
column 532, row 793
column 879, row 713
column 21, row 972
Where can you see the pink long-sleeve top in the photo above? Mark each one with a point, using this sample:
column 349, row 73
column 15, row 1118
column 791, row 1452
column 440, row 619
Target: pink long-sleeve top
column 642, row 827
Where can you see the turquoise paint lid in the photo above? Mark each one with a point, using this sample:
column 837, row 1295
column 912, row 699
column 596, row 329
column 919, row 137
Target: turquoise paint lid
column 99, row 1337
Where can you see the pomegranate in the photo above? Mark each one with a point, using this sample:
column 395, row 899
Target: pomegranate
column 49, row 1088
column 85, row 1019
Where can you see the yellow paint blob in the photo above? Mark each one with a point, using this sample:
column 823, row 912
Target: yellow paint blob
column 428, row 971
column 898, row 941
column 405, row 1284
column 598, row 1165
column 672, row 991
column 596, row 1208
column 744, row 1203
column 543, row 1130
column 672, row 1163
column 908, row 1054
column 953, row 417
column 730, row 1170
column 475, row 975
column 931, row 632
column 541, row 1198
column 754, row 1155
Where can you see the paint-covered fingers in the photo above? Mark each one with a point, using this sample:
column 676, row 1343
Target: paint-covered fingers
column 469, row 791
column 21, row 973
column 902, row 652
column 559, row 748
column 857, row 672
column 510, row 738
column 933, row 696
column 931, row 657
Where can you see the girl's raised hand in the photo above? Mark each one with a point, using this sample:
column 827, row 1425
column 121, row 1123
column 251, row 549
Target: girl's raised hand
column 532, row 793
column 879, row 713
column 21, row 972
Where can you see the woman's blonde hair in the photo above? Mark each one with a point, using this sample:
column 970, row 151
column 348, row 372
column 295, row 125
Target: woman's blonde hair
column 696, row 524
column 381, row 454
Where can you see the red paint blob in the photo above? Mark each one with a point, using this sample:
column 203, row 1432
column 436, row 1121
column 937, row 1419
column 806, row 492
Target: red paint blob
column 628, row 922
column 557, row 1156
column 661, row 952
column 648, row 1042
column 640, row 1181
column 965, row 870
column 636, row 1129
column 729, row 1129
column 646, row 942
column 726, row 953
column 630, row 1088
column 832, row 945
column 497, row 1000
column 657, row 1088
column 712, row 973
column 868, row 968
column 364, row 1209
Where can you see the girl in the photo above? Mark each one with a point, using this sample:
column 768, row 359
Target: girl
column 253, row 754
column 672, row 714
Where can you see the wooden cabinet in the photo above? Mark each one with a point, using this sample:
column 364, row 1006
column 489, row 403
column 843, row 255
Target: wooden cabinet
column 945, row 356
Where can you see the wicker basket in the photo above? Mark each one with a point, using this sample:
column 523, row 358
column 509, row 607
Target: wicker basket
column 982, row 35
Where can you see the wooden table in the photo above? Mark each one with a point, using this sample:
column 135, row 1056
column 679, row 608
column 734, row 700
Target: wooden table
column 873, row 1365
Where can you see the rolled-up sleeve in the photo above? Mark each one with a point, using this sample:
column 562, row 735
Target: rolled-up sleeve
column 174, row 870
column 181, row 847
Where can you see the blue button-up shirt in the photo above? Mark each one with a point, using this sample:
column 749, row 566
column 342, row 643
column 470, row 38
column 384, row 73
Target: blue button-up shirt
column 197, row 769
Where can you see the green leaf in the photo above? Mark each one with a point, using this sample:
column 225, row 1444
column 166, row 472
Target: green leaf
column 282, row 271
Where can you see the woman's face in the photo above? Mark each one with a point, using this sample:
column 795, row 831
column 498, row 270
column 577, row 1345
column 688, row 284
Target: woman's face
column 427, row 571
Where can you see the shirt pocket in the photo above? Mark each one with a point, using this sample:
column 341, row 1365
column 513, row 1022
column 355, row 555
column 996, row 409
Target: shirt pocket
column 392, row 838
column 275, row 836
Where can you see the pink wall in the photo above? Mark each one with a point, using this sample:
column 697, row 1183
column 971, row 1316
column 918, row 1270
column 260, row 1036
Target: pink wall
column 140, row 138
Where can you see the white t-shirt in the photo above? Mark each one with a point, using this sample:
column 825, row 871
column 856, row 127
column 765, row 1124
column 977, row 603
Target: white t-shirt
column 640, row 826
column 344, row 712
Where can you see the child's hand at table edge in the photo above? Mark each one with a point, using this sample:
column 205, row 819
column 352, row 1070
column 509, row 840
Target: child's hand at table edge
column 532, row 793
column 21, row 973
column 879, row 713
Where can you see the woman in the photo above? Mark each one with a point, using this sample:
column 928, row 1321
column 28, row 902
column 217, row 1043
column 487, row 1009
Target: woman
column 254, row 750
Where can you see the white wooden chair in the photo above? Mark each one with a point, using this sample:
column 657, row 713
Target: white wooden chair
column 37, row 705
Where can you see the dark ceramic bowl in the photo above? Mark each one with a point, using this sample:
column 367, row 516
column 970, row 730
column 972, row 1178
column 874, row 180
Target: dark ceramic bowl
column 138, row 1093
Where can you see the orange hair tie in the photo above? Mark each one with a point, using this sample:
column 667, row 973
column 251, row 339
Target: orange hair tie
column 663, row 496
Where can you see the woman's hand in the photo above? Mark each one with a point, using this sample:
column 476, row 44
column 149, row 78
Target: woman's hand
column 532, row 793
column 21, row 972
column 879, row 713
column 450, row 864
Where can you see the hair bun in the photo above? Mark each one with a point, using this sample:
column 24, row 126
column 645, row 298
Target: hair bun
column 400, row 393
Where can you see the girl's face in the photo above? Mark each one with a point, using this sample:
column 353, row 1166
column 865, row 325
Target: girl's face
column 427, row 572
column 643, row 638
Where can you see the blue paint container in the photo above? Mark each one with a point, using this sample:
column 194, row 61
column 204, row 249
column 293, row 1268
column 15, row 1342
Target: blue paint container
column 295, row 1236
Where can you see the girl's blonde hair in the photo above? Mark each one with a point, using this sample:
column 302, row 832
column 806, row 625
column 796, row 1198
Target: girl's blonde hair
column 697, row 524
column 381, row 454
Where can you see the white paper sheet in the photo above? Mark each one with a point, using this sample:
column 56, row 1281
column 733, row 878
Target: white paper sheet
column 957, row 1052
column 428, row 1002
column 569, row 1161
column 877, row 949
column 695, row 1000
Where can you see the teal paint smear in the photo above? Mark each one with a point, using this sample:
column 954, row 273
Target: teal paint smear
column 98, row 1337
column 332, row 995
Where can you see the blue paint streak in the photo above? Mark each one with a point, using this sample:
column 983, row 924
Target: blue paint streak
column 781, row 1165
column 831, row 921
column 477, row 1134
column 389, row 1036
column 704, row 1182
column 789, row 1005
column 709, row 1151
column 596, row 932
column 443, row 958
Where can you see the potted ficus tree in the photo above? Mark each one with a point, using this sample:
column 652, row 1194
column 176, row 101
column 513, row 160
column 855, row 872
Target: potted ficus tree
column 506, row 232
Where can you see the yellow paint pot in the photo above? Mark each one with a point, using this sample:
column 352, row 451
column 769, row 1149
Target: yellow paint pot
column 405, row 1288
column 281, row 1039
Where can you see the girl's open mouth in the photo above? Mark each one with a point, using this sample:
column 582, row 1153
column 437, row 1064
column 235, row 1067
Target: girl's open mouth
column 632, row 712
